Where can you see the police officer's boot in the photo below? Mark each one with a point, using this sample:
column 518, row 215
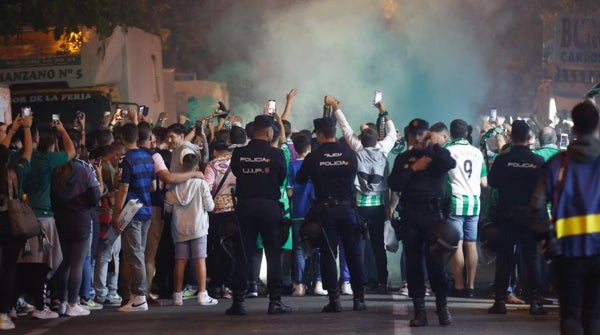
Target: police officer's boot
column 334, row 305
column 238, row 307
column 275, row 304
column 420, row 318
column 499, row 306
column 535, row 305
column 442, row 311
column 359, row 299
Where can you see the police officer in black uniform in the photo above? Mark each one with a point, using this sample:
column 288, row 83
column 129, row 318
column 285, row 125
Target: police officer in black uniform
column 420, row 176
column 515, row 174
column 260, row 169
column 332, row 169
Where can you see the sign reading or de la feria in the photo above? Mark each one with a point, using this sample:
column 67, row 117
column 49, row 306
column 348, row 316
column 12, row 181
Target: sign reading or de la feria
column 51, row 97
column 577, row 42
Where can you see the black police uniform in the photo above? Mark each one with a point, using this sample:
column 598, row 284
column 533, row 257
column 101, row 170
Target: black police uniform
column 332, row 169
column 260, row 169
column 421, row 200
column 515, row 174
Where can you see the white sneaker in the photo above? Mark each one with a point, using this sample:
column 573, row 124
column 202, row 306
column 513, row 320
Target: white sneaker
column 205, row 300
column 76, row 310
column 347, row 288
column 137, row 303
column 177, row 298
column 319, row 290
column 6, row 322
column 13, row 313
column 44, row 314
column 404, row 291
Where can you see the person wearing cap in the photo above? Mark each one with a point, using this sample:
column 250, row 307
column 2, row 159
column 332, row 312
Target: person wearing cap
column 259, row 170
column 465, row 181
column 419, row 174
column 570, row 182
column 332, row 169
column 515, row 174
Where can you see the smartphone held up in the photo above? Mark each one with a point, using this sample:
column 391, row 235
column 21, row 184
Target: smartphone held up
column 377, row 98
column 564, row 141
column 493, row 115
column 25, row 111
column 272, row 107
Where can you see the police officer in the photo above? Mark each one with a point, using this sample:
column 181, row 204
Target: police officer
column 515, row 175
column 332, row 169
column 419, row 175
column 260, row 169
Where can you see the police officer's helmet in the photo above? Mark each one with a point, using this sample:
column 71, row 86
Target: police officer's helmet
column 442, row 240
column 311, row 231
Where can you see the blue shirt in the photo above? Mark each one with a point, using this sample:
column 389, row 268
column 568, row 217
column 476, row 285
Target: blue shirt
column 137, row 170
column 302, row 192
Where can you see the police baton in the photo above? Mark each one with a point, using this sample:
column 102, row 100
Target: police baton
column 237, row 221
column 313, row 204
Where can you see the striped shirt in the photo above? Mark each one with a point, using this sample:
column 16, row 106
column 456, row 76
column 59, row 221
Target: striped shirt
column 465, row 178
column 137, row 170
column 363, row 200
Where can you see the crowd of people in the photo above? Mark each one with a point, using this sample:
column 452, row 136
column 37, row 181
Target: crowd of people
column 135, row 212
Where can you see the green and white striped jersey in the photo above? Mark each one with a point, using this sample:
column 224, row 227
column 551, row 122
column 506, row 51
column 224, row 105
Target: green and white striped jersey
column 465, row 179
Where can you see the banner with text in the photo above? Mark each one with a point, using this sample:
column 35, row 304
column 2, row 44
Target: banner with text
column 577, row 42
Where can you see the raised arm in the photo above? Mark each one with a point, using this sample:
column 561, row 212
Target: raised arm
column 289, row 98
column 352, row 140
column 68, row 144
column 387, row 144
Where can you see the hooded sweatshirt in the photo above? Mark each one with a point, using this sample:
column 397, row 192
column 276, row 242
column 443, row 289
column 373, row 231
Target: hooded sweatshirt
column 189, row 202
column 576, row 204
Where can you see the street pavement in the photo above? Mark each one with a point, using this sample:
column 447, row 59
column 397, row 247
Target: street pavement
column 386, row 314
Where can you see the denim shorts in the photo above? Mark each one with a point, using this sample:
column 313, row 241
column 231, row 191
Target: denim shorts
column 191, row 249
column 466, row 225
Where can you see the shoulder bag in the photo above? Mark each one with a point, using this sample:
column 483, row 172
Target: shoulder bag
column 23, row 221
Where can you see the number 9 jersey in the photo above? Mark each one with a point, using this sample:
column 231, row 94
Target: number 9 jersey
column 465, row 178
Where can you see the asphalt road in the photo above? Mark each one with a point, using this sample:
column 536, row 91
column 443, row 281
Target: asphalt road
column 386, row 314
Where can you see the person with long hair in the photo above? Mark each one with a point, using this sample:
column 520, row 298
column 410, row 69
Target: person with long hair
column 75, row 192
column 10, row 245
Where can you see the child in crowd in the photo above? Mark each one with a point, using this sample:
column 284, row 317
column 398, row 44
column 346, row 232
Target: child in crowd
column 189, row 202
column 299, row 195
